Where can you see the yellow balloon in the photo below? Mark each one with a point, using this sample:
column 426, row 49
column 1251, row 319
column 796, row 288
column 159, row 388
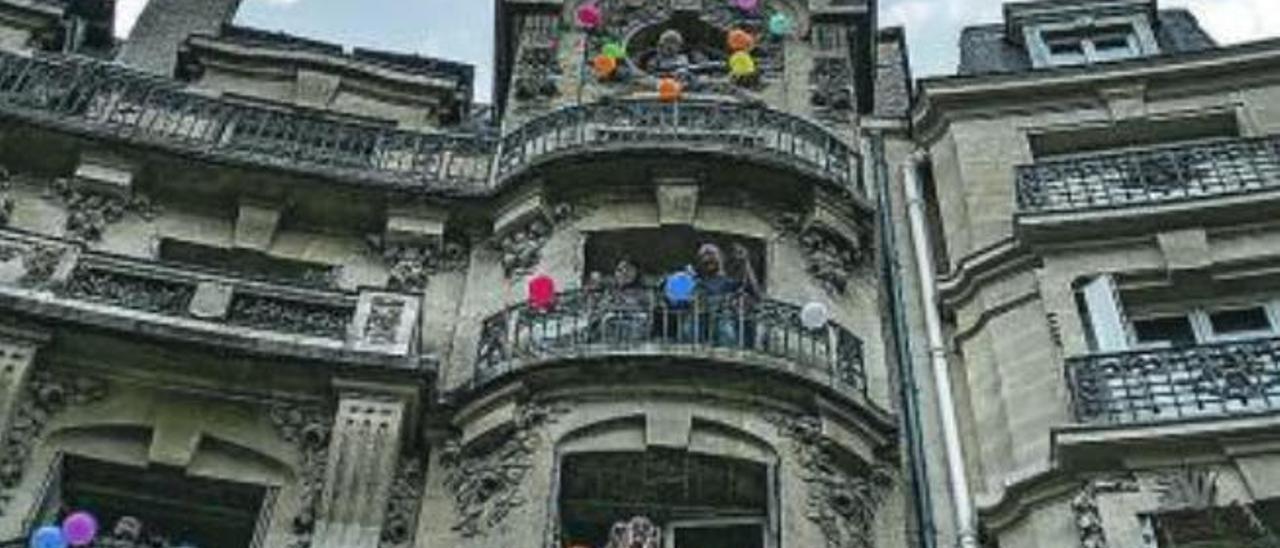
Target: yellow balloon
column 741, row 64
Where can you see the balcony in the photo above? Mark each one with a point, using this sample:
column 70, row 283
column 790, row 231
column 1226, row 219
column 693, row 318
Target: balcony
column 1149, row 386
column 55, row 280
column 108, row 101
column 746, row 131
column 600, row 324
column 1150, row 177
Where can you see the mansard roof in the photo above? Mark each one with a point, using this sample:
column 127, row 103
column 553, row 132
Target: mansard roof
column 988, row 49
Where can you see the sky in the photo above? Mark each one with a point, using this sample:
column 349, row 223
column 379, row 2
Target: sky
column 461, row 29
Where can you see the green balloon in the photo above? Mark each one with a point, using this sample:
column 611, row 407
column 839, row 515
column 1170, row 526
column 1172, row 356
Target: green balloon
column 780, row 24
column 615, row 50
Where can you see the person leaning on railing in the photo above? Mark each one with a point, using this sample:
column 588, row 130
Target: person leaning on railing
column 723, row 300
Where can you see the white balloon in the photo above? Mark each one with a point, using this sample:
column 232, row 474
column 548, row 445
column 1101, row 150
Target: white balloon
column 814, row 316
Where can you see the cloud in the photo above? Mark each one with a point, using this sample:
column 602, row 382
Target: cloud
column 127, row 12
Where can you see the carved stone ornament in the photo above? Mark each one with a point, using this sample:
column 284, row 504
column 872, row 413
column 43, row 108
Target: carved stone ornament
column 841, row 502
column 1187, row 488
column 39, row 261
column 522, row 247
column 1084, row 506
column 411, row 265
column 637, row 532
column 6, row 201
column 486, row 482
column 537, row 70
column 89, row 213
column 401, row 518
column 831, row 87
column 306, row 426
column 43, row 399
column 831, row 258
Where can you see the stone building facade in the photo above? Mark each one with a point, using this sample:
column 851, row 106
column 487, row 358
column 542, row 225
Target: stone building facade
column 264, row 291
column 259, row 290
column 1098, row 181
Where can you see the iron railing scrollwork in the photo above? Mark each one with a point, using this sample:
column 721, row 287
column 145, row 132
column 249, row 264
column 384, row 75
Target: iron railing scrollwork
column 1150, row 176
column 1176, row 383
column 729, row 127
column 589, row 323
column 109, row 100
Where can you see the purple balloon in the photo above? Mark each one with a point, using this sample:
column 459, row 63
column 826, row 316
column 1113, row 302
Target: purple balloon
column 80, row 528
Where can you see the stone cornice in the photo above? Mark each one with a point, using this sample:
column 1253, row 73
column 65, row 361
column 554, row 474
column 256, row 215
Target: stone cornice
column 943, row 99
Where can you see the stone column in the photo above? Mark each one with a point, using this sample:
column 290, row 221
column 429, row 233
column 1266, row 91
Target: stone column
column 364, row 453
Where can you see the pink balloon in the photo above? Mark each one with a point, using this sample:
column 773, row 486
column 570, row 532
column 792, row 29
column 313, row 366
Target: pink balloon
column 542, row 292
column 589, row 16
column 80, row 528
column 746, row 5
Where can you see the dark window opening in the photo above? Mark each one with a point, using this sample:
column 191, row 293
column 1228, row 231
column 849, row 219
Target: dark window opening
column 1135, row 134
column 1239, row 320
column 251, row 263
column 659, row 252
column 700, row 501
column 1237, row 526
column 1172, row 330
column 158, row 506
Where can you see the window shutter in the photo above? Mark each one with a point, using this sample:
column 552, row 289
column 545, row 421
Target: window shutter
column 1106, row 318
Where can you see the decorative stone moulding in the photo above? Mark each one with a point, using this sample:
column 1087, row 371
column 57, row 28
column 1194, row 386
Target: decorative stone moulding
column 842, row 502
column 307, row 426
column 524, row 225
column 386, row 322
column 46, row 396
column 487, row 477
column 414, row 247
column 700, row 67
column 833, row 244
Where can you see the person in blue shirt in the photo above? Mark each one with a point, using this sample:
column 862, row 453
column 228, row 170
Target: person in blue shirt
column 720, row 292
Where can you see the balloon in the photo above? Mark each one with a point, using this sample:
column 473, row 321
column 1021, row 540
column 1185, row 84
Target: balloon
column 79, row 528
column 49, row 536
column 542, row 292
column 741, row 40
column 669, row 90
column 741, row 64
column 780, row 24
column 679, row 287
column 604, row 66
column 615, row 50
column 746, row 5
column 589, row 16
column 814, row 316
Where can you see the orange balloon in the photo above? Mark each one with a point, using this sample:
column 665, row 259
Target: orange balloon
column 604, row 65
column 669, row 90
column 741, row 40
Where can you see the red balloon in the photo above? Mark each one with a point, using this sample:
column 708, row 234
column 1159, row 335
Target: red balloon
column 542, row 292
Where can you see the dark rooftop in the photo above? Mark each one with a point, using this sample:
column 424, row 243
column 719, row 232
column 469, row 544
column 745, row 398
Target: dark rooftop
column 404, row 62
column 984, row 49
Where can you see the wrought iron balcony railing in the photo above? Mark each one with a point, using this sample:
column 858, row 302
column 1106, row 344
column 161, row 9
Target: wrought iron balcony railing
column 108, row 100
column 1150, row 176
column 591, row 324
column 1176, row 383
column 738, row 129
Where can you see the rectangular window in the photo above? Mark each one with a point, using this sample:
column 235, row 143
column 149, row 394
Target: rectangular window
column 1240, row 322
column 1086, row 45
column 1163, row 332
column 712, row 534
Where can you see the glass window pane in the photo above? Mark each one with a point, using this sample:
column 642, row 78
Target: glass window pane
column 1239, row 320
column 1173, row 330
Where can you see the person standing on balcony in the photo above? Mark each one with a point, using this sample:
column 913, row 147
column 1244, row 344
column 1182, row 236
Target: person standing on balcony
column 725, row 297
column 625, row 306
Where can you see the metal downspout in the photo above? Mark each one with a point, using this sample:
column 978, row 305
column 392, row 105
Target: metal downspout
column 962, row 502
column 908, row 390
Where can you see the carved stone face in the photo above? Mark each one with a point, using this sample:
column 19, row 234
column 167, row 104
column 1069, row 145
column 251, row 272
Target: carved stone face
column 670, row 43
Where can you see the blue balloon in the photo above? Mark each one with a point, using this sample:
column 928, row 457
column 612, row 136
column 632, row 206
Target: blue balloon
column 49, row 536
column 679, row 287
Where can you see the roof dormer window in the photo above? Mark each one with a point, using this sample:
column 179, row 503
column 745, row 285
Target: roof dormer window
column 1090, row 45
column 1082, row 32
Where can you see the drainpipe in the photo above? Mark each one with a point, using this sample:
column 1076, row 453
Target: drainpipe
column 908, row 389
column 967, row 535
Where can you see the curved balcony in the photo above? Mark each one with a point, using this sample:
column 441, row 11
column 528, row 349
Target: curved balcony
column 1209, row 380
column 105, row 100
column 1150, row 176
column 600, row 324
column 748, row 131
